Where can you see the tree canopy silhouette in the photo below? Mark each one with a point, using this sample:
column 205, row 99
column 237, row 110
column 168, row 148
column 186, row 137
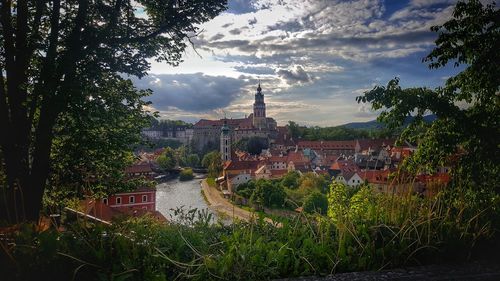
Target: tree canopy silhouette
column 55, row 53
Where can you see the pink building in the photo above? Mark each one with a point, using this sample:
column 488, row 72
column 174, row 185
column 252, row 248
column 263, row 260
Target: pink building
column 142, row 198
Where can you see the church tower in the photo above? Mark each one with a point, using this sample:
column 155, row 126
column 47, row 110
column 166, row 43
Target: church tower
column 259, row 110
column 225, row 142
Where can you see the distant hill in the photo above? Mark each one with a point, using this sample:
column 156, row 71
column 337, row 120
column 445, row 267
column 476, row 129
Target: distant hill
column 374, row 124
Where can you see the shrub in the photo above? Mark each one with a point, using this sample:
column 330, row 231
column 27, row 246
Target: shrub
column 186, row 174
column 316, row 202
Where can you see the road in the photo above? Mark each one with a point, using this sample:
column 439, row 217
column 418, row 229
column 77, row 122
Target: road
column 218, row 203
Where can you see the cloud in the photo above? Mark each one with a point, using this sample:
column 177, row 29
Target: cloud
column 296, row 74
column 259, row 70
column 191, row 92
column 217, row 36
column 312, row 57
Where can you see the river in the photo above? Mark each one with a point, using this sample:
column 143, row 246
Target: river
column 174, row 194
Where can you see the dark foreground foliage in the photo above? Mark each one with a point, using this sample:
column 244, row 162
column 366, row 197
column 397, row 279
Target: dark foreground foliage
column 363, row 231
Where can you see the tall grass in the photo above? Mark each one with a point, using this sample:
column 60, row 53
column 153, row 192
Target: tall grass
column 363, row 230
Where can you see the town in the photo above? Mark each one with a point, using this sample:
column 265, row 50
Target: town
column 371, row 162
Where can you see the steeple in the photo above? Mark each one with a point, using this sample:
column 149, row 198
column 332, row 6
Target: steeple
column 225, row 142
column 259, row 110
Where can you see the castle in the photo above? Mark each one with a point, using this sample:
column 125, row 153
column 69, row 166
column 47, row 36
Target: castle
column 207, row 133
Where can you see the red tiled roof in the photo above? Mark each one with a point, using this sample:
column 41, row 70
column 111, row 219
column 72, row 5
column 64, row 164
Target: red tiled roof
column 242, row 165
column 278, row 159
column 297, row 157
column 375, row 144
column 375, row 176
column 344, row 165
column 97, row 209
column 327, row 145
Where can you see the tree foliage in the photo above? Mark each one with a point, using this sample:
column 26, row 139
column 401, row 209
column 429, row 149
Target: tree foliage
column 52, row 52
column 268, row 193
column 291, row 180
column 213, row 162
column 192, row 160
column 93, row 140
column 166, row 160
column 467, row 107
column 316, row 202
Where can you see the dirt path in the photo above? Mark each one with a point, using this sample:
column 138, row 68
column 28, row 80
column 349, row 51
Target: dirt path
column 218, row 203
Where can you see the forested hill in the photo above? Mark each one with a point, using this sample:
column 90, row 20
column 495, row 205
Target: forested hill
column 374, row 124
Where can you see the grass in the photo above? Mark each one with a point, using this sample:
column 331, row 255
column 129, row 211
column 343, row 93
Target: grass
column 211, row 182
column 363, row 231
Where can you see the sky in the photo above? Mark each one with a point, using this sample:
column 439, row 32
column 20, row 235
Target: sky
column 312, row 58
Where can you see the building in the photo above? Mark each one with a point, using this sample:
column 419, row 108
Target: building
column 225, row 143
column 206, row 133
column 180, row 133
column 141, row 198
column 140, row 170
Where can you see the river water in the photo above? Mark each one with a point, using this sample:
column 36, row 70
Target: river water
column 174, row 194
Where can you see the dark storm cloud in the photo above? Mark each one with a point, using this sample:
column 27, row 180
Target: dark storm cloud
column 191, row 92
column 298, row 74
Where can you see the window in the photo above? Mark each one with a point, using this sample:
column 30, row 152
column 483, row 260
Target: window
column 144, row 198
column 131, row 199
column 105, row 201
column 118, row 200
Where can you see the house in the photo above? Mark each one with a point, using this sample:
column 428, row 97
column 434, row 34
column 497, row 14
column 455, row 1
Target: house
column 331, row 147
column 233, row 181
column 346, row 172
column 372, row 146
column 142, row 198
column 140, row 170
column 278, row 162
column 350, row 178
column 98, row 211
column 237, row 172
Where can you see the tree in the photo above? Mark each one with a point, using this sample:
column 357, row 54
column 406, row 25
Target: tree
column 316, row 202
column 256, row 144
column 268, row 194
column 166, row 160
column 291, row 180
column 192, row 160
column 213, row 162
column 312, row 181
column 467, row 107
column 93, row 141
column 52, row 51
column 294, row 130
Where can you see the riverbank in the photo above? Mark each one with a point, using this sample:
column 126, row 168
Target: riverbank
column 219, row 204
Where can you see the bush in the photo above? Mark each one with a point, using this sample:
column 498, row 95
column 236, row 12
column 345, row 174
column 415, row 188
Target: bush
column 268, row 193
column 186, row 174
column 316, row 202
